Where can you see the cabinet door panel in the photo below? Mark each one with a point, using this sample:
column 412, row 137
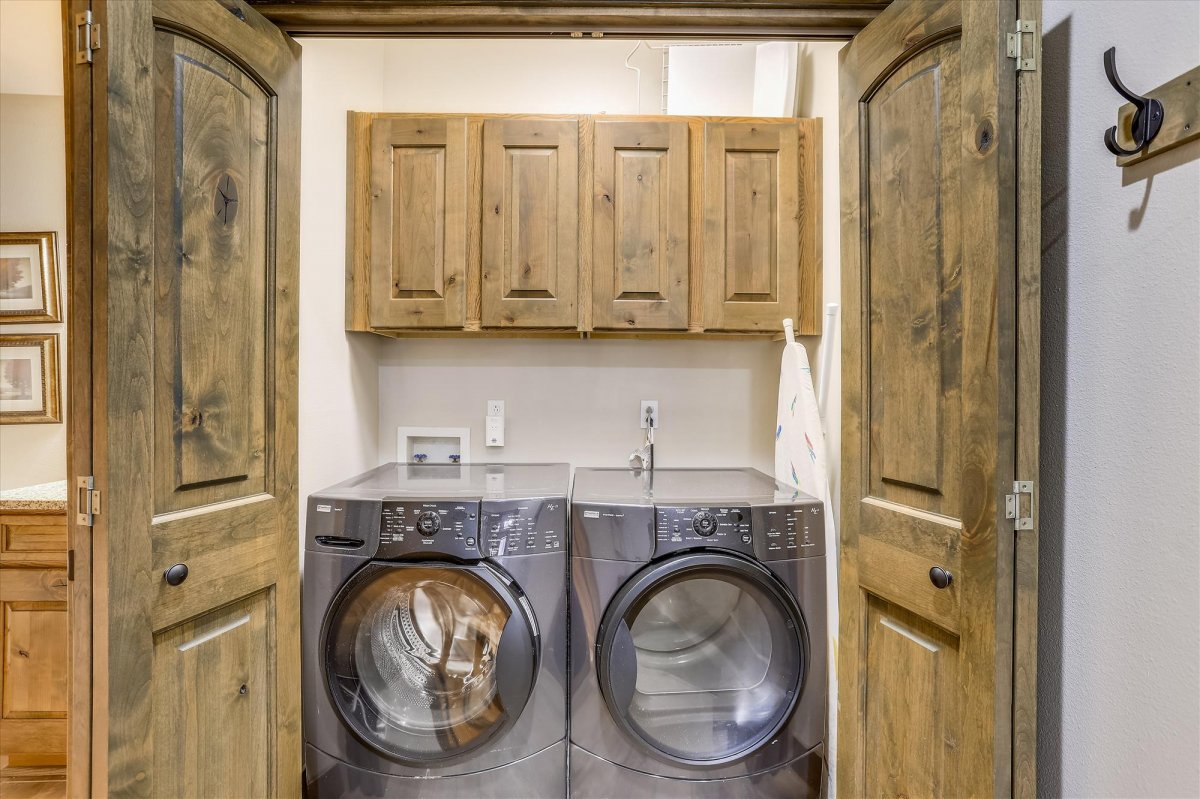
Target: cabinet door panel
column 530, row 222
column 640, row 225
column 751, row 224
column 418, row 222
column 34, row 661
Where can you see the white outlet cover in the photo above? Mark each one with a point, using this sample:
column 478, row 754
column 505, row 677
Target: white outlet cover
column 495, row 407
column 653, row 405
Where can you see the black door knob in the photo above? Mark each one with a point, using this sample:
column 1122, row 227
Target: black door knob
column 940, row 577
column 176, row 574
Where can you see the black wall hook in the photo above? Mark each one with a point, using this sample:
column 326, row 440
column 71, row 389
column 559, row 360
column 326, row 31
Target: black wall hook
column 1147, row 116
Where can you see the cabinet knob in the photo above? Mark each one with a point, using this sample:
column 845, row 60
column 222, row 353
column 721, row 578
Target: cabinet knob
column 176, row 574
column 940, row 577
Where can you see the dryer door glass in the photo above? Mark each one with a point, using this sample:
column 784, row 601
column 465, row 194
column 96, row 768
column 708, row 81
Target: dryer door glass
column 704, row 663
column 414, row 658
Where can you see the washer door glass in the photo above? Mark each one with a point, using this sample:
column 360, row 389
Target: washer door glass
column 705, row 660
column 413, row 658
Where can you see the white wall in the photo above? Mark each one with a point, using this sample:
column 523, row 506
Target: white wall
column 1119, row 642
column 715, row 80
column 31, row 47
column 33, row 198
column 339, row 379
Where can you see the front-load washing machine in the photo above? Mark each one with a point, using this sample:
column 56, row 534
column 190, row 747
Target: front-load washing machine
column 698, row 636
column 434, row 625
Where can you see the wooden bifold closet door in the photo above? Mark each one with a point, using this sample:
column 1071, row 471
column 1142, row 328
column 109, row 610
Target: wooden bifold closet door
column 196, row 122
column 939, row 154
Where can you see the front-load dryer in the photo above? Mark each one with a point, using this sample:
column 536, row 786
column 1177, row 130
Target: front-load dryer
column 698, row 636
column 435, row 633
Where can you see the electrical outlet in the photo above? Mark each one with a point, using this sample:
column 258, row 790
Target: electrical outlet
column 493, row 431
column 495, row 407
column 648, row 414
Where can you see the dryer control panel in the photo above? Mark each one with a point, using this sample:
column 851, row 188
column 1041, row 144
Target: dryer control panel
column 766, row 532
column 523, row 527
column 413, row 528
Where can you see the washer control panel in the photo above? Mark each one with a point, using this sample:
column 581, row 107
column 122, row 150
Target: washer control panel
column 766, row 532
column 444, row 527
column 523, row 527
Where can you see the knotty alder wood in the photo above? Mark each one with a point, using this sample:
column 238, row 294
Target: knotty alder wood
column 77, row 80
column 640, row 225
column 1029, row 328
column 668, row 237
column 34, row 640
column 753, row 227
column 530, row 222
column 195, row 388
column 418, row 249
column 673, row 18
column 930, row 226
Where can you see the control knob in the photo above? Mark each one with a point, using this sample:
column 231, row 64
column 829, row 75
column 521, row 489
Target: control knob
column 428, row 523
column 704, row 523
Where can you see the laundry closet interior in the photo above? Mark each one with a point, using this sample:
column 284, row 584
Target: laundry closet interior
column 351, row 283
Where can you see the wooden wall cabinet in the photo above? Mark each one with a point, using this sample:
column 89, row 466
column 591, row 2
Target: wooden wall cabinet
column 583, row 226
column 758, row 231
column 33, row 613
column 530, row 223
column 640, row 238
column 418, row 242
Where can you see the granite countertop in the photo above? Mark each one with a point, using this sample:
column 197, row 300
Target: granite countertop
column 50, row 497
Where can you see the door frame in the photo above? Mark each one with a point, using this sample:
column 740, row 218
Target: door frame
column 81, row 179
column 677, row 19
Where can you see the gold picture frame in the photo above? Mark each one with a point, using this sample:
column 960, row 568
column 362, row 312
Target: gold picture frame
column 29, row 390
column 29, row 278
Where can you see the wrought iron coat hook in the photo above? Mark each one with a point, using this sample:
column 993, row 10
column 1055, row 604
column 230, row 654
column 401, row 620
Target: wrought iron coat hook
column 1147, row 115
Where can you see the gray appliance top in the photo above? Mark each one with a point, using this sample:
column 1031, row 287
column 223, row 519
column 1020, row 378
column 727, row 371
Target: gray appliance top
column 473, row 480
column 680, row 486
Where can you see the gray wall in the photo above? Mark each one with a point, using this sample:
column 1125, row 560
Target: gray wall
column 1119, row 645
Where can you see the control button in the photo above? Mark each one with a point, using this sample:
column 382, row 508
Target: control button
column 746, row 538
column 428, row 523
column 470, row 542
column 704, row 523
column 736, row 516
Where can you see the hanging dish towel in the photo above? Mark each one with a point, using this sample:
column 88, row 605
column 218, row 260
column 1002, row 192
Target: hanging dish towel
column 800, row 462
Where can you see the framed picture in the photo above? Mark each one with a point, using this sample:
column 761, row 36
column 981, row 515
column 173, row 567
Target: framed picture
column 29, row 379
column 29, row 277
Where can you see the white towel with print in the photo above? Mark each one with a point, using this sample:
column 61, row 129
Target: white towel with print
column 800, row 462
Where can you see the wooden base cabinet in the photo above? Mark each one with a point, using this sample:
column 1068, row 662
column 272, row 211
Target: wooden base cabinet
column 606, row 226
column 33, row 613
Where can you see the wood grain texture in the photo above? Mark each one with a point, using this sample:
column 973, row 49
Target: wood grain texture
column 358, row 221
column 912, row 667
column 211, row 274
column 474, row 224
column 928, row 111
column 799, row 18
column 751, row 224
column 1029, row 347
column 77, row 90
column 530, row 231
column 213, row 679
column 810, row 315
column 640, row 204
column 35, row 639
column 179, row 273
column 418, row 235
column 1180, row 97
column 587, row 233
